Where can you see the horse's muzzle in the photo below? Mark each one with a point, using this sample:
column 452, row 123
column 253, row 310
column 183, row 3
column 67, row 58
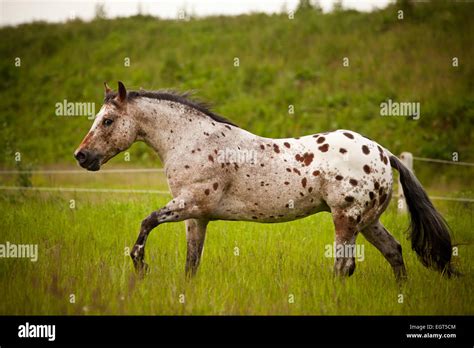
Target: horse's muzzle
column 87, row 160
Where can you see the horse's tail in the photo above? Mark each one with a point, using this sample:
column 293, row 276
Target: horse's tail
column 429, row 232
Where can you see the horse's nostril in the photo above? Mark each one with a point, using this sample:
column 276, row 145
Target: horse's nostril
column 80, row 156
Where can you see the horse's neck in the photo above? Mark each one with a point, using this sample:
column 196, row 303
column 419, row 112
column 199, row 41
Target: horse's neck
column 169, row 128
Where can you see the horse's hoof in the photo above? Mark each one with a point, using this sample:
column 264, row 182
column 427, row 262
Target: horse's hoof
column 145, row 268
column 141, row 269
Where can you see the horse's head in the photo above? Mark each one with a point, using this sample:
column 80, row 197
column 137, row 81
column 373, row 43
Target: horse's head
column 114, row 130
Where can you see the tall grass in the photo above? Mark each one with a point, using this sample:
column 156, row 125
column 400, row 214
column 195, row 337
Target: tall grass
column 82, row 252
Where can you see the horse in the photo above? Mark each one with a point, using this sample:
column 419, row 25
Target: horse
column 218, row 171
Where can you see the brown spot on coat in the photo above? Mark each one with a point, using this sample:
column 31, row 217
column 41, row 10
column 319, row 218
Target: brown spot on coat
column 287, row 144
column 321, row 140
column 324, row 148
column 365, row 149
column 366, row 169
column 343, row 151
column 339, row 177
column 296, row 171
column 316, row 172
column 353, row 182
column 308, row 158
column 262, row 147
column 349, row 135
column 206, row 191
column 215, row 186
column 210, row 158
column 287, row 183
column 349, row 199
column 276, row 148
column 303, row 182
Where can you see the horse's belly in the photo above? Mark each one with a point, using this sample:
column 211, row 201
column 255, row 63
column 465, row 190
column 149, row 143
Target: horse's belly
column 262, row 206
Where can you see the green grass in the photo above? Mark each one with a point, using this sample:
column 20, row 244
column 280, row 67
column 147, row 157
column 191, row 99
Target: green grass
column 81, row 252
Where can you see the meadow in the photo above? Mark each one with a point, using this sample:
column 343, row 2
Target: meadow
column 247, row 268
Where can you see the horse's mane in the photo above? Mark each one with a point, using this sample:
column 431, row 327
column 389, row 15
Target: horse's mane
column 174, row 96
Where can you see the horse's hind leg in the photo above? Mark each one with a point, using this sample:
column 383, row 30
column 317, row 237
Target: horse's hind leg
column 346, row 233
column 390, row 248
column 195, row 235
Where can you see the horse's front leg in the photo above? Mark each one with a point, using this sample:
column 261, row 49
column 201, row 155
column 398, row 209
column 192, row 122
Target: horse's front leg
column 195, row 235
column 176, row 210
column 194, row 206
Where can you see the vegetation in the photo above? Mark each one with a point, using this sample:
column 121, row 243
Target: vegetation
column 282, row 62
column 247, row 268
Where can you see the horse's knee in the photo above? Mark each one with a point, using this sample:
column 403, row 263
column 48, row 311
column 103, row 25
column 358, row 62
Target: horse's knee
column 150, row 222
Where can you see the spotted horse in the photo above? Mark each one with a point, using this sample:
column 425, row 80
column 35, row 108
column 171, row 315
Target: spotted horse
column 218, row 171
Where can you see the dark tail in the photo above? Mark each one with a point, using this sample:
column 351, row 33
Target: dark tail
column 429, row 232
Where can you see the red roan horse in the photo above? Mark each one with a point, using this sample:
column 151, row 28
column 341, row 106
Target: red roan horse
column 218, row 171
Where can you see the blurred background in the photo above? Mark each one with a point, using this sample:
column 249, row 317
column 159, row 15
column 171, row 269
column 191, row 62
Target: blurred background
column 289, row 53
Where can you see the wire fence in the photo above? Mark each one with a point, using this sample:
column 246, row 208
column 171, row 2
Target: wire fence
column 82, row 171
column 80, row 189
column 425, row 159
column 161, row 170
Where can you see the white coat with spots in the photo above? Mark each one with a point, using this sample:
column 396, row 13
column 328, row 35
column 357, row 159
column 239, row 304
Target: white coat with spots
column 218, row 171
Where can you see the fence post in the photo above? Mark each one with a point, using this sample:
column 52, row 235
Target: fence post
column 407, row 159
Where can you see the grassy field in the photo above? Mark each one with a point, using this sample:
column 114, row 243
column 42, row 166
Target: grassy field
column 82, row 252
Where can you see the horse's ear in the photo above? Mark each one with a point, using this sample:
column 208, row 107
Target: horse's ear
column 122, row 95
column 107, row 88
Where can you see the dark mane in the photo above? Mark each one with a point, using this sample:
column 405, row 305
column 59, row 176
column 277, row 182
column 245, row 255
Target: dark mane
column 173, row 96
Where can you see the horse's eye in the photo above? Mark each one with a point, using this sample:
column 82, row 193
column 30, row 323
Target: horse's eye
column 108, row 122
